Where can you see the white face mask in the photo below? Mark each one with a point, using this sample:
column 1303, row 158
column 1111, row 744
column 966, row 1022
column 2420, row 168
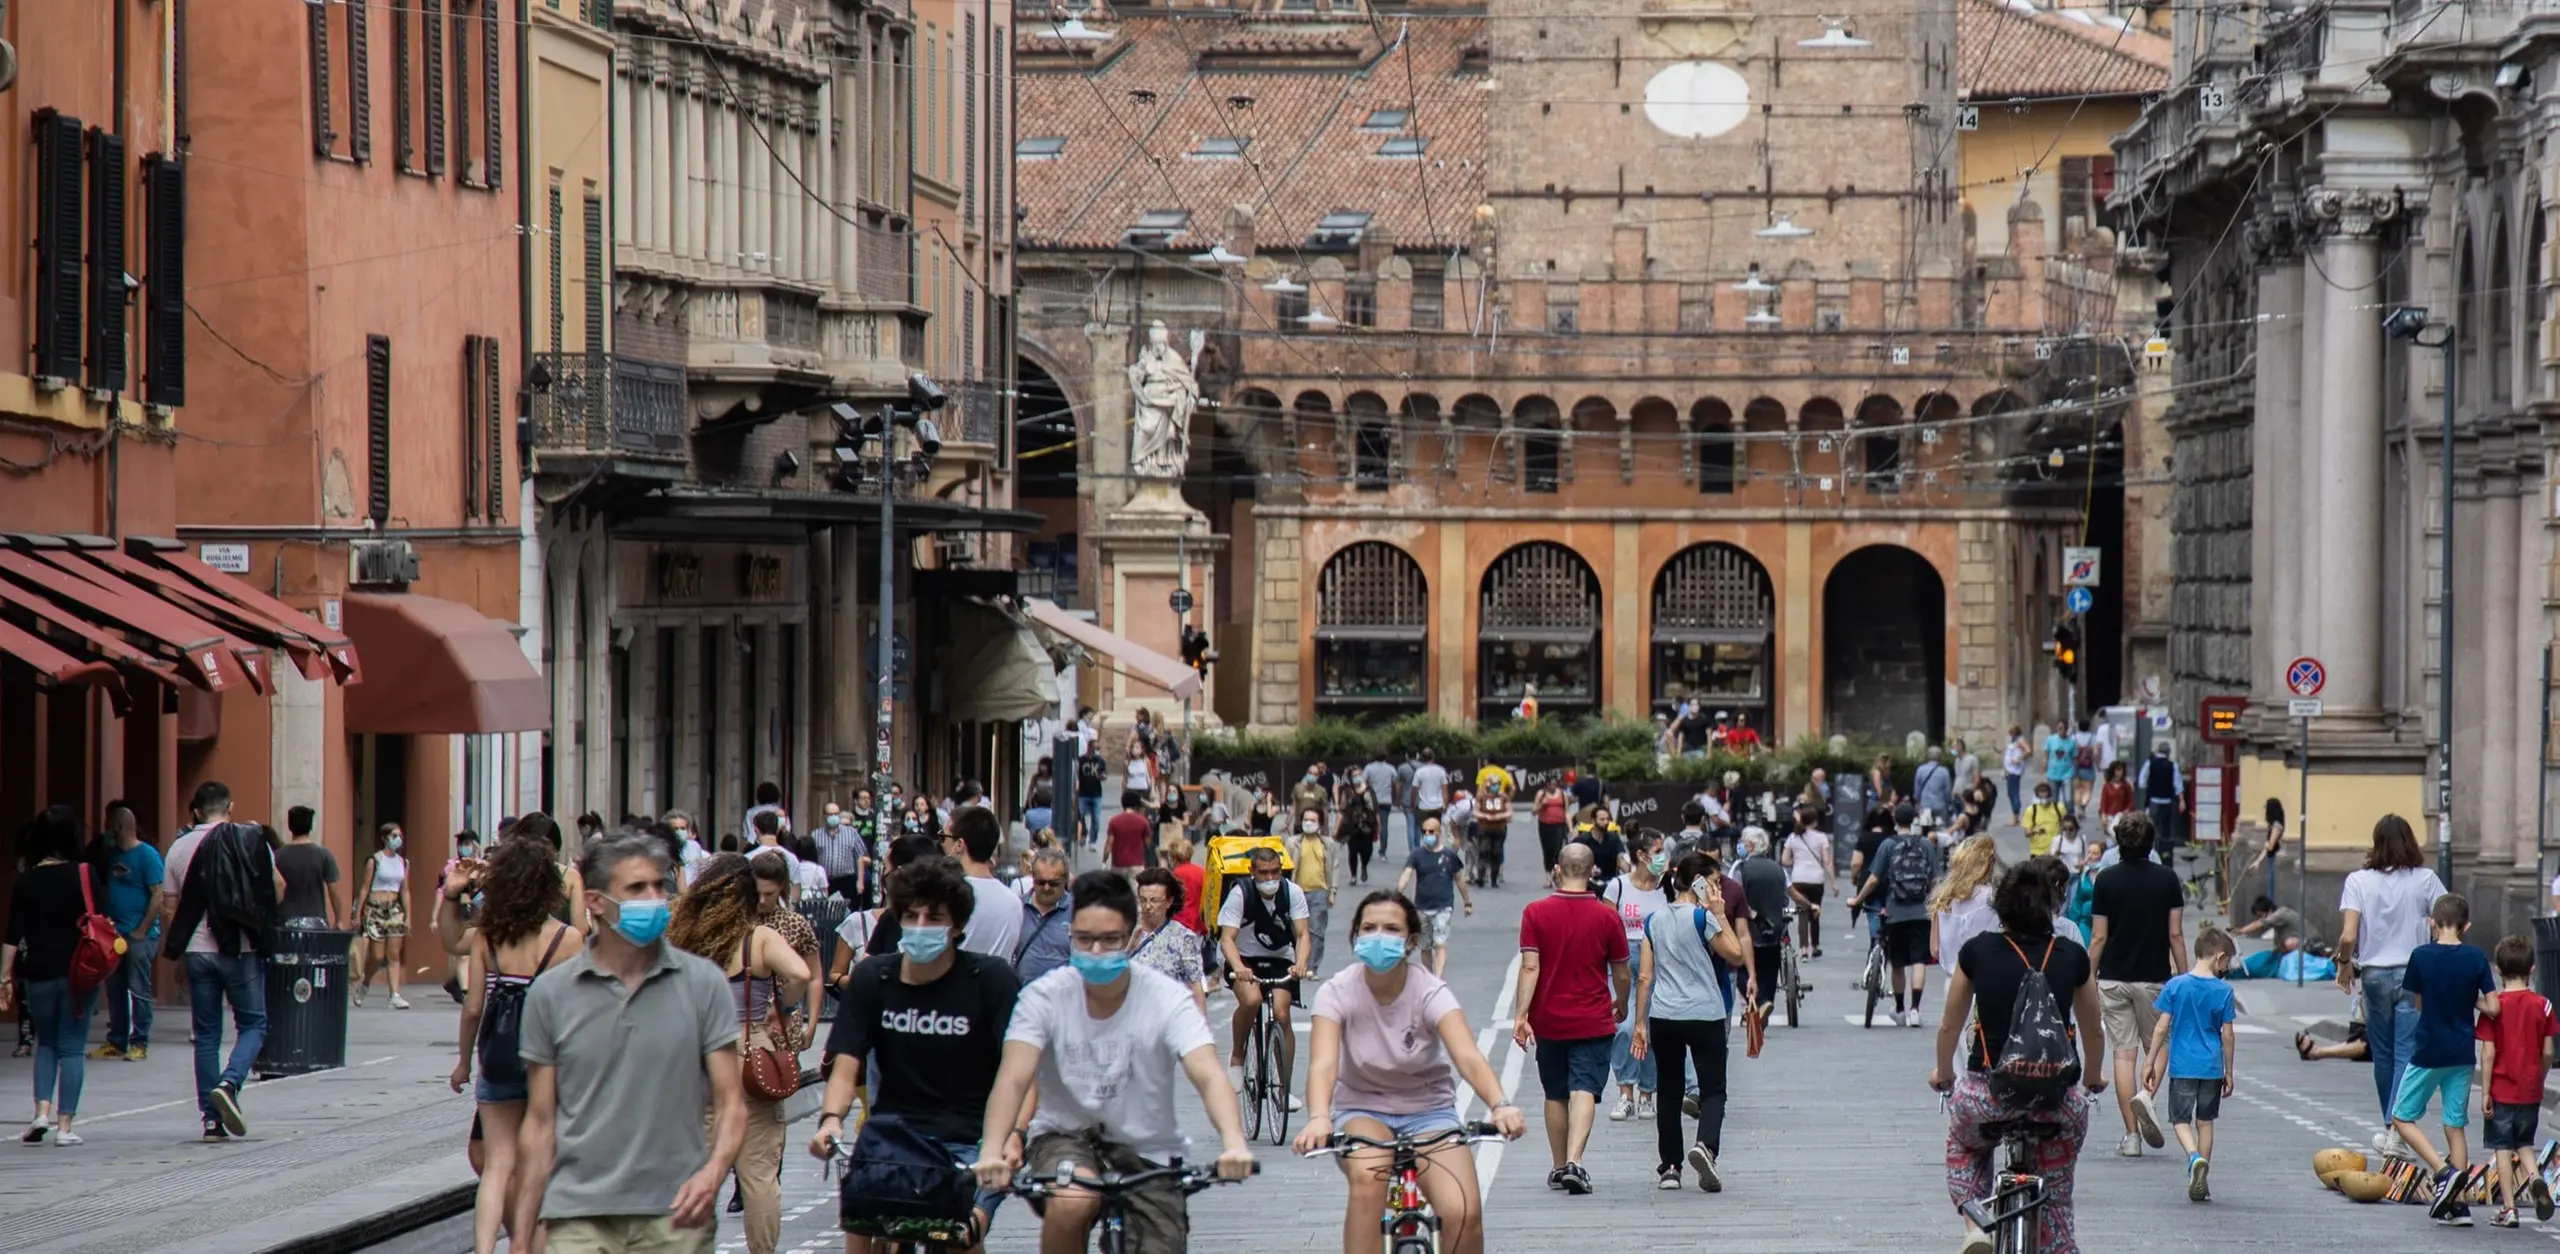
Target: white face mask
column 1268, row 888
column 1310, row 827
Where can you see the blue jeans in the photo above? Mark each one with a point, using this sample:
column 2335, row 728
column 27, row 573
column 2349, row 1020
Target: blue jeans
column 1624, row 1066
column 2164, row 824
column 211, row 980
column 2014, row 808
column 2390, row 1030
column 129, row 997
column 1089, row 809
column 62, row 1041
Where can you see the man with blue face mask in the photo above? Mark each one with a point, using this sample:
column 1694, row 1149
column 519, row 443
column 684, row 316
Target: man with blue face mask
column 626, row 1045
column 1103, row 1040
column 926, row 1025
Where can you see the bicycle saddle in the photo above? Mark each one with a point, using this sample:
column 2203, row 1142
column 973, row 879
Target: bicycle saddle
column 2027, row 1126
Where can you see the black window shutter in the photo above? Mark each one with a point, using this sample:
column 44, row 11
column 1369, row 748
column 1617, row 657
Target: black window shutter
column 432, row 24
column 403, row 100
column 495, row 158
column 559, row 293
column 472, row 419
column 321, row 138
column 377, row 422
column 107, row 358
column 490, row 358
column 461, row 129
column 58, row 273
column 164, row 342
column 969, row 91
column 595, row 278
column 359, row 85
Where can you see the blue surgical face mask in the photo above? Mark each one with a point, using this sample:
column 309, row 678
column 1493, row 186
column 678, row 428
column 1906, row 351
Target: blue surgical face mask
column 835, row 820
column 1657, row 864
column 392, row 844
column 924, row 944
column 641, row 922
column 1100, row 968
column 1379, row 951
column 1431, row 840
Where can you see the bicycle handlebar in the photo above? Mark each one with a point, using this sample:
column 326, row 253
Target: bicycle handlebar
column 1345, row 1142
column 1031, row 1186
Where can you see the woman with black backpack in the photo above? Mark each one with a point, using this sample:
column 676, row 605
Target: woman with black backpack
column 2034, row 989
column 515, row 939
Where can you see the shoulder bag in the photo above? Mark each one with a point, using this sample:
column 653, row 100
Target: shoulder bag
column 771, row 1072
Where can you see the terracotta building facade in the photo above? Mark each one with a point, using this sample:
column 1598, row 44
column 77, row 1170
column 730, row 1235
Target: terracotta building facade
column 1623, row 358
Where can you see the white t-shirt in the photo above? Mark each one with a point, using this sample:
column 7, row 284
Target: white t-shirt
column 1633, row 905
column 2013, row 760
column 2391, row 907
column 692, row 854
column 2106, row 746
column 182, row 853
column 1430, row 786
column 1962, row 922
column 1116, row 1074
column 2070, row 848
column 995, row 923
column 1248, row 945
column 1140, row 778
column 1804, row 858
column 811, row 877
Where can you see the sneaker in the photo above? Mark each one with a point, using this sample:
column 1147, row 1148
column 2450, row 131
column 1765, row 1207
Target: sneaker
column 1235, row 1076
column 737, row 1201
column 108, row 1053
column 136, row 1053
column 453, row 989
column 1917, row 1019
column 1689, row 1103
column 1576, row 1181
column 2539, row 1191
column 1976, row 1241
column 2447, row 1197
column 2505, row 1218
column 36, row 1132
column 1295, row 1105
column 226, row 1107
column 2197, row 1166
column 2389, row 1145
column 398, row 1002
column 67, row 1137
column 1555, row 1178
column 1623, row 1111
column 2129, row 1147
column 1667, row 1179
column 1645, row 1108
column 2144, row 1120
column 214, row 1131
column 2460, row 1218
column 1704, row 1160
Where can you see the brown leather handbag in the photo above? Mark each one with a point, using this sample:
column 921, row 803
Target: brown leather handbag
column 770, row 1072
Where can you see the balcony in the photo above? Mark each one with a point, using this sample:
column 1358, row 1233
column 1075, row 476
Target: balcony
column 805, row 351
column 601, row 406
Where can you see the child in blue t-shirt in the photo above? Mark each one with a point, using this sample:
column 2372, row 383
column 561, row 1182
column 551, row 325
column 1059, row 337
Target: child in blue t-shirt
column 2451, row 982
column 2193, row 1046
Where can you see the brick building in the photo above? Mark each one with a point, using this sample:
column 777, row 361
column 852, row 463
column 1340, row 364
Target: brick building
column 1629, row 355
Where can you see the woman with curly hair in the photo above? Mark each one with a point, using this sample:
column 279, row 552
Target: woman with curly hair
column 1960, row 906
column 716, row 918
column 515, row 939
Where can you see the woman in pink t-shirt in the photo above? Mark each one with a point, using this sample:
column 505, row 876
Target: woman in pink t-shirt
column 1386, row 1035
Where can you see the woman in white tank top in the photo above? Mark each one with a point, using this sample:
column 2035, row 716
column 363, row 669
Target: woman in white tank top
column 382, row 942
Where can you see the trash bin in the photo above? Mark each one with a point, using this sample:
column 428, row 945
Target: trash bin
column 2546, row 958
column 306, row 1002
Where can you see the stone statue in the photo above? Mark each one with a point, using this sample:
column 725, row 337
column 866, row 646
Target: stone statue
column 1162, row 394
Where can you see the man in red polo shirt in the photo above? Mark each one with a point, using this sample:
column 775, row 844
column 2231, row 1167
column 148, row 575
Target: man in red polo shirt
column 1573, row 986
column 1128, row 834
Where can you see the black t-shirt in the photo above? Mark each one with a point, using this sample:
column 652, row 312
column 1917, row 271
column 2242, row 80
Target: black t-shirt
column 2135, row 898
column 1869, row 841
column 1693, row 732
column 938, row 1044
column 44, row 917
column 1586, row 792
column 1996, row 969
column 308, row 870
column 1089, row 772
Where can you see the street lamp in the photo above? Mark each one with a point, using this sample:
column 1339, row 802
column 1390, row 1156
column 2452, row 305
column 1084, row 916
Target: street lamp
column 2408, row 323
column 924, row 396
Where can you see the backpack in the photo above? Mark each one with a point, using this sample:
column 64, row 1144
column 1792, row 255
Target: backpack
column 502, row 1021
column 903, row 1185
column 2085, row 757
column 97, row 946
column 2037, row 1063
column 1269, row 921
column 1907, row 877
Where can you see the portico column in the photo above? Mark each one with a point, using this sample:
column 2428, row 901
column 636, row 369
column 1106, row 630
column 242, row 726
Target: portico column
column 2350, row 443
column 2500, row 817
column 2298, row 499
column 2532, row 631
column 847, row 140
column 2273, row 436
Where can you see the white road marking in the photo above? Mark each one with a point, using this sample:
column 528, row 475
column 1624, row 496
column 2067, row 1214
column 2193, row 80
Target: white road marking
column 2251, row 1029
column 1489, row 1155
column 254, row 1086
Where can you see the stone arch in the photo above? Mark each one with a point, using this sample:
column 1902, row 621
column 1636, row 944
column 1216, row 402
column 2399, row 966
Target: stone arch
column 1546, row 454
column 1538, row 622
column 1373, row 625
column 1419, row 413
column 1717, row 452
column 1714, row 618
column 1881, row 455
column 1653, row 433
column 1884, row 645
column 1365, row 442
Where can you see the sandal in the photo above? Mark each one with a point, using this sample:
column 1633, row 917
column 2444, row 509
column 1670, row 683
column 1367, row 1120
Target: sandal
column 2302, row 1045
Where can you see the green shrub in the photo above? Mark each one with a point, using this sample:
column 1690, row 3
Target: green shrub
column 1626, row 766
column 1614, row 734
column 1335, row 741
column 1416, row 732
column 1514, row 739
column 1223, row 745
column 1711, row 768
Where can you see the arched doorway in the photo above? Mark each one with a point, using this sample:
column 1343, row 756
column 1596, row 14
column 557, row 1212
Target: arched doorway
column 1373, row 617
column 1538, row 622
column 1713, row 614
column 1884, row 645
column 1045, row 437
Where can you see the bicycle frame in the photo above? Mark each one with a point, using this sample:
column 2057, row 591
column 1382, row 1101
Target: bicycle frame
column 2014, row 1212
column 1408, row 1215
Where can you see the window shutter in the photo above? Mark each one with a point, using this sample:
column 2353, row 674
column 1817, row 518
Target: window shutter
column 359, row 85
column 58, row 274
column 432, row 26
column 472, row 421
column 1001, row 84
column 404, row 103
column 107, row 360
column 377, row 425
column 164, row 326
column 559, row 291
column 969, row 120
column 462, row 93
column 491, row 357
column 595, row 274
column 322, row 140
column 494, row 158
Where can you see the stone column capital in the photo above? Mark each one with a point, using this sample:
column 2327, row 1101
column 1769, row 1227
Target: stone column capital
column 2348, row 213
column 2273, row 240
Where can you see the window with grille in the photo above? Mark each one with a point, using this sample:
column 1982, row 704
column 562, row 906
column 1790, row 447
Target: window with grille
column 1541, row 460
column 1430, row 296
column 1291, row 309
column 1564, row 308
column 1360, row 304
column 1374, row 455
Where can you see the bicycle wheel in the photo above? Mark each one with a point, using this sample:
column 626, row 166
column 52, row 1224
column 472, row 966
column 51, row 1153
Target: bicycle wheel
column 1251, row 1096
column 1792, row 981
column 1276, row 1085
column 1875, row 982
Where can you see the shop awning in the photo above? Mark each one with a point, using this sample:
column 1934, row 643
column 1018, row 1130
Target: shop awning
column 1538, row 635
column 1354, row 631
column 1136, row 660
column 1710, row 635
column 150, row 610
column 994, row 669
column 38, row 578
column 439, row 668
column 54, row 667
column 319, row 652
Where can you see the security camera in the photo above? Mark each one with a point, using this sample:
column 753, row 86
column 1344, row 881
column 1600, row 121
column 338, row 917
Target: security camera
column 925, row 394
column 2404, row 322
column 928, row 436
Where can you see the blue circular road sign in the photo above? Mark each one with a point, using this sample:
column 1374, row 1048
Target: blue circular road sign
column 2079, row 600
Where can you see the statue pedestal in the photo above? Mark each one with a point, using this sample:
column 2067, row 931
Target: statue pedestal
column 1143, row 551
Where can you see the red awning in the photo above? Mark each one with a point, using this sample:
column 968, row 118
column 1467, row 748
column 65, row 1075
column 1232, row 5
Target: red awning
column 460, row 671
column 200, row 647
column 153, row 611
column 230, row 616
column 333, row 645
column 98, row 640
column 52, row 666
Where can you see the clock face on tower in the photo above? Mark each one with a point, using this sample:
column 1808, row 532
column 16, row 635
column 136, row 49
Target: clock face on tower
column 1696, row 99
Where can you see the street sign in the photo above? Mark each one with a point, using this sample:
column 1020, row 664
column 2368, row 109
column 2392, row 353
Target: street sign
column 1181, row 600
column 2079, row 600
column 2080, row 567
column 2306, row 676
column 2302, row 707
column 230, row 559
column 2221, row 719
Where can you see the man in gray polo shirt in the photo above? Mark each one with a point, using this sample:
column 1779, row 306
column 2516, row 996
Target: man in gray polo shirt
column 626, row 1046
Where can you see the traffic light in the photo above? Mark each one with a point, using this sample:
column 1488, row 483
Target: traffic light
column 1196, row 652
column 2066, row 652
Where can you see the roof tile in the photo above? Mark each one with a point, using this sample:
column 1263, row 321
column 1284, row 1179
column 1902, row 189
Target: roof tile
column 2008, row 48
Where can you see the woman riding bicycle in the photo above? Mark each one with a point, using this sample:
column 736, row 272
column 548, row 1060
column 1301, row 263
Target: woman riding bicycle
column 1386, row 1036
column 1991, row 968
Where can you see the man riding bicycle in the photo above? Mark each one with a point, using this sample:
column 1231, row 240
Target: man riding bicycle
column 1262, row 930
column 1102, row 1040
